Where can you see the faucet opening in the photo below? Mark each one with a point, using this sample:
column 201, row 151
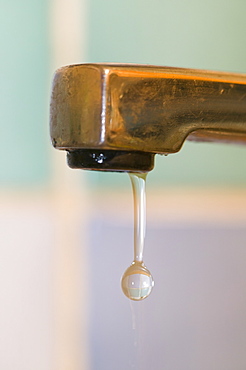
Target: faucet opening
column 110, row 160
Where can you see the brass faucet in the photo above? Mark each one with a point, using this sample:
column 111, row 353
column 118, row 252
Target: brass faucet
column 117, row 117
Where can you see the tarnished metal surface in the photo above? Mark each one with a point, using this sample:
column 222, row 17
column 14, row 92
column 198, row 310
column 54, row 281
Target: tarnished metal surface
column 144, row 109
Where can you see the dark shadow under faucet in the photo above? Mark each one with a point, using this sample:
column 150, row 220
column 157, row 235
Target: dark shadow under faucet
column 117, row 117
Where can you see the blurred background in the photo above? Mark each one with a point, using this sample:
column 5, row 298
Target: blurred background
column 67, row 236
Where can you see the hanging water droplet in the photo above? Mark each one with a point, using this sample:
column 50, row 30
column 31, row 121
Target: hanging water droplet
column 137, row 282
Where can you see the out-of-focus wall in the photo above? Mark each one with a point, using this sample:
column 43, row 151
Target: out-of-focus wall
column 42, row 254
column 62, row 231
column 26, row 236
column 24, row 74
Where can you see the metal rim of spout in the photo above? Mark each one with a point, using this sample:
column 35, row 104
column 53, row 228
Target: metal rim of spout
column 110, row 160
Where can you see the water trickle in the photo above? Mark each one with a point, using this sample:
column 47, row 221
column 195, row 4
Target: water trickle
column 137, row 281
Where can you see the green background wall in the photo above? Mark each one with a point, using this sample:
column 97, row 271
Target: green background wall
column 192, row 34
column 24, row 92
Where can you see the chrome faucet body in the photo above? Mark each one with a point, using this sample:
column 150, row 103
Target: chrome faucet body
column 117, row 117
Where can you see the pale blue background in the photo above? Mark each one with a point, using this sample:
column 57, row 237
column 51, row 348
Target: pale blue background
column 194, row 317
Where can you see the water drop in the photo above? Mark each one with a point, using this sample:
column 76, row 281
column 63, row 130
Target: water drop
column 137, row 282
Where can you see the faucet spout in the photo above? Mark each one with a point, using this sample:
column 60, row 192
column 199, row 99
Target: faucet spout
column 117, row 117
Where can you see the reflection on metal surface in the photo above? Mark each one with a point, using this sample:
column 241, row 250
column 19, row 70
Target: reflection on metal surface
column 134, row 112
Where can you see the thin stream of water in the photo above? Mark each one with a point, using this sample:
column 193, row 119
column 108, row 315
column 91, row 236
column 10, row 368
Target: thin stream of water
column 139, row 199
column 138, row 335
column 137, row 281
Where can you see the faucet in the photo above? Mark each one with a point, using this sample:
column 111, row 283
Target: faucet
column 116, row 117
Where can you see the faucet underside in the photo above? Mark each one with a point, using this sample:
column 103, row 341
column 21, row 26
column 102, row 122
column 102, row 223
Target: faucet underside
column 117, row 117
